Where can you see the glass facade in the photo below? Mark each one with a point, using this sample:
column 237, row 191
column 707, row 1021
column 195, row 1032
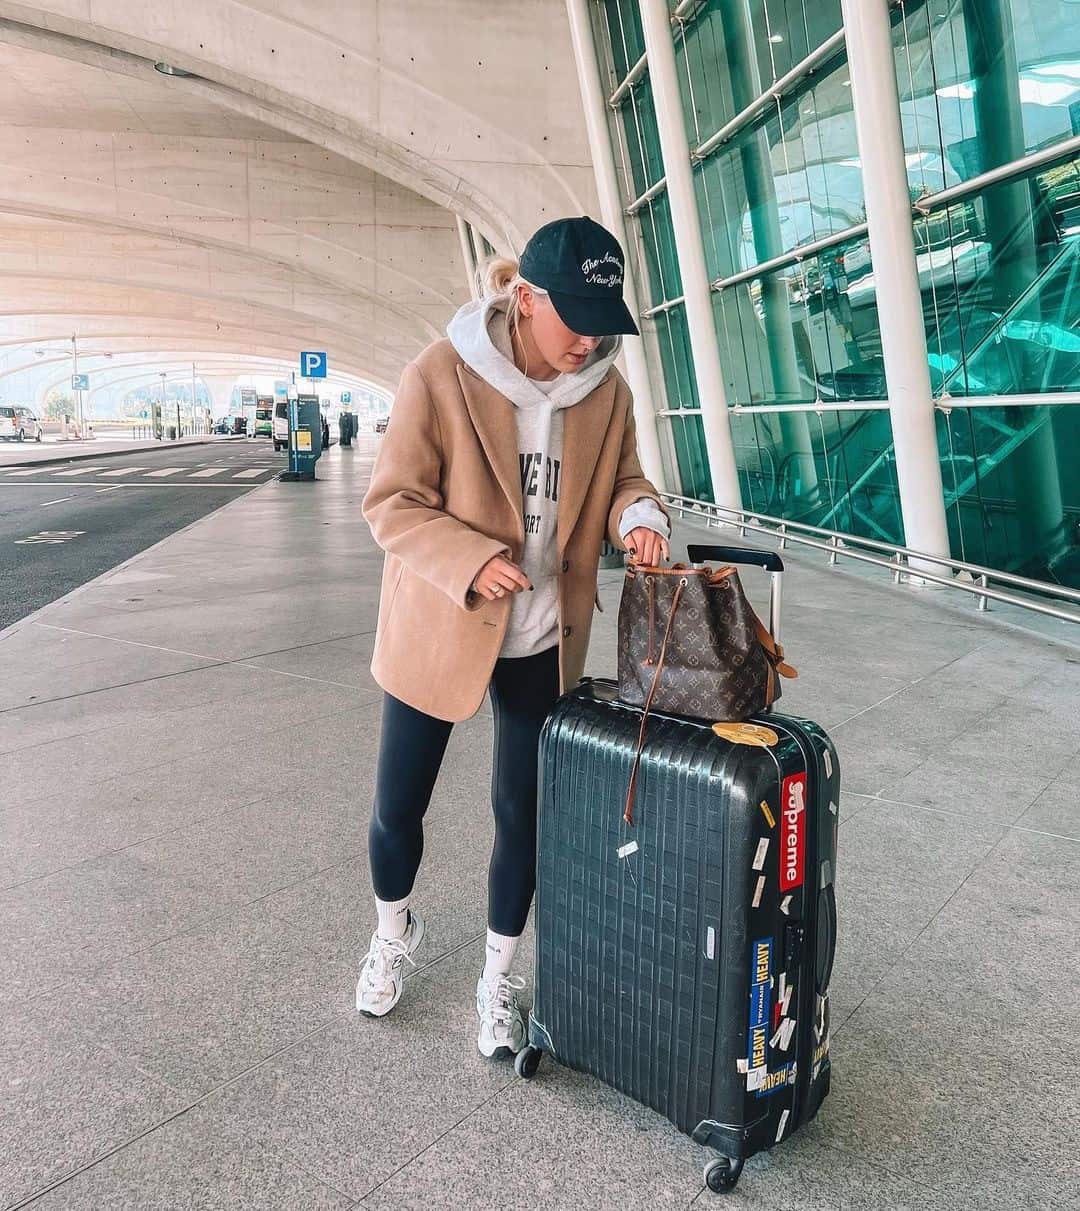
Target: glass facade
column 983, row 84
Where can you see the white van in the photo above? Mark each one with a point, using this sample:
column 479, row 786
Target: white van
column 281, row 424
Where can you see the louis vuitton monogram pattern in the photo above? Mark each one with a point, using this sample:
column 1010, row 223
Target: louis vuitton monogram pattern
column 715, row 666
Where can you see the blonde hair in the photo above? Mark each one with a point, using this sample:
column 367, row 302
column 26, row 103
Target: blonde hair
column 499, row 277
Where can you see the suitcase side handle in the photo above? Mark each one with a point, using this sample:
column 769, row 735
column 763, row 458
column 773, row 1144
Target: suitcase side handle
column 769, row 560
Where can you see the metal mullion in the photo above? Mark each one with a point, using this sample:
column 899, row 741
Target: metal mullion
column 1005, row 172
column 775, row 92
column 790, row 258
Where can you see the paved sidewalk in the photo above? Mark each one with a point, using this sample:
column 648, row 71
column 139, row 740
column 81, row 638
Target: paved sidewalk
column 188, row 751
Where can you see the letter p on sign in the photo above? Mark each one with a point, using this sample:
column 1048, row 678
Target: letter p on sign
column 312, row 365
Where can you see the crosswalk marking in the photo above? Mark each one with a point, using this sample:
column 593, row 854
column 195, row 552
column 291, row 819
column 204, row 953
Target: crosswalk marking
column 29, row 471
column 250, row 473
column 164, row 472
column 122, row 471
column 208, row 472
column 83, row 470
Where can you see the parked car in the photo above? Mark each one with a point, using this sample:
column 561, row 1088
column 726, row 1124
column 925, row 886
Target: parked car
column 18, row 423
column 381, row 424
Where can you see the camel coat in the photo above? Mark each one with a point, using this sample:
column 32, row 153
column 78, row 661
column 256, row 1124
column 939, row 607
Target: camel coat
column 445, row 497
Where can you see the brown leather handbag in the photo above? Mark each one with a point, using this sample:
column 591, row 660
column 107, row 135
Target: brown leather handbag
column 691, row 644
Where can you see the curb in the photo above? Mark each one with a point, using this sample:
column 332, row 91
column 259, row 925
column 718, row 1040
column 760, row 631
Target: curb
column 72, row 458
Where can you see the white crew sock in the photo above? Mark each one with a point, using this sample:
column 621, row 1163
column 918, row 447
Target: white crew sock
column 500, row 955
column 393, row 918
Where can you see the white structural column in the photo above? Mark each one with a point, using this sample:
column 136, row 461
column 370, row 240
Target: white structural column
column 876, row 100
column 686, row 224
column 467, row 256
column 611, row 213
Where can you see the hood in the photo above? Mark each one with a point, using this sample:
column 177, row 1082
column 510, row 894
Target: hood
column 479, row 334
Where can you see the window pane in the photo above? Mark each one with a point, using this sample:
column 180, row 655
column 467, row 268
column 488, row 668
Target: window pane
column 734, row 49
column 676, row 358
column 624, row 30
column 1000, row 275
column 658, row 236
column 792, row 177
column 689, row 441
column 1012, row 494
column 984, row 82
column 642, row 138
column 831, row 469
column 805, row 332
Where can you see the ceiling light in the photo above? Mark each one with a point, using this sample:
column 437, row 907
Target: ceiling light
column 776, row 38
column 167, row 69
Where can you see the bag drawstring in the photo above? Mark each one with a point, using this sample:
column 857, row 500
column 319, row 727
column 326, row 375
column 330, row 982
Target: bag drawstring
column 628, row 811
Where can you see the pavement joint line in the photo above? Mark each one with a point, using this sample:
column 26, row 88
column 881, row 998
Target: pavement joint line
column 955, row 815
column 335, row 1018
column 243, row 662
column 214, row 664
column 976, row 865
column 104, row 689
column 371, row 699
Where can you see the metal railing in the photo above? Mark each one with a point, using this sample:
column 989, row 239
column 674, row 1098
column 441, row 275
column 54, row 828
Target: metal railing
column 902, row 562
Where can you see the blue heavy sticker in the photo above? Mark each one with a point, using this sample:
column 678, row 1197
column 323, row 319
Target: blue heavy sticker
column 776, row 1080
column 757, row 1054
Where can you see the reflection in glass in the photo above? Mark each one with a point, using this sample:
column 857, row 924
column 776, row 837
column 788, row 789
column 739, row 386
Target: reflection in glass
column 1009, row 503
column 1017, row 62
column 833, row 331
column 854, row 471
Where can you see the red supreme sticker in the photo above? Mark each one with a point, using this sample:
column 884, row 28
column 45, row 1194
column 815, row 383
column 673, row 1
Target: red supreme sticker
column 793, row 832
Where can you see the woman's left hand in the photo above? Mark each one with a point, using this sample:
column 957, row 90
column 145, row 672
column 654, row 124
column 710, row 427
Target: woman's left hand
column 646, row 546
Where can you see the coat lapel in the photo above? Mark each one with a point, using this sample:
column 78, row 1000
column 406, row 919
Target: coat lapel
column 493, row 419
column 585, row 426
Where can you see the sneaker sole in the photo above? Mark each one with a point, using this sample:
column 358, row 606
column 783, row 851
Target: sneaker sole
column 490, row 1050
column 418, row 937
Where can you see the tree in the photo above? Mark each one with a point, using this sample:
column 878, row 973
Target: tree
column 59, row 404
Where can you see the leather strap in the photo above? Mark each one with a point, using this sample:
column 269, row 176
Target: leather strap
column 628, row 811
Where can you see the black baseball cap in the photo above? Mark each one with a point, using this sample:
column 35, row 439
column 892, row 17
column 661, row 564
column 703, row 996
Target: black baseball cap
column 580, row 265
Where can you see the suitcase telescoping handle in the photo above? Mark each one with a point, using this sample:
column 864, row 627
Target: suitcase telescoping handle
column 769, row 560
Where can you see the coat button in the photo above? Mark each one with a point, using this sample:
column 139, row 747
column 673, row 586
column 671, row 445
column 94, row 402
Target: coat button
column 566, row 565
column 567, row 631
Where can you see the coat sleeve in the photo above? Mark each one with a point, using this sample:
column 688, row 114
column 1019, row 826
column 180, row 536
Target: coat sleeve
column 404, row 504
column 630, row 483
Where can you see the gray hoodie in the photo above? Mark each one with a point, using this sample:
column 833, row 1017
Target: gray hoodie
column 479, row 333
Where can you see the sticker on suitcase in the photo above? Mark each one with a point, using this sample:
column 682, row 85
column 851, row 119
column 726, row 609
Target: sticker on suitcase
column 757, row 1052
column 793, row 832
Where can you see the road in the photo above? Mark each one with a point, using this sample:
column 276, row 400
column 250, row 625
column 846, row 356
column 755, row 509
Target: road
column 62, row 525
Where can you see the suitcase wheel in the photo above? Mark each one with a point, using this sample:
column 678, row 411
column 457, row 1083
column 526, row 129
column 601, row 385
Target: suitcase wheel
column 722, row 1174
column 527, row 1061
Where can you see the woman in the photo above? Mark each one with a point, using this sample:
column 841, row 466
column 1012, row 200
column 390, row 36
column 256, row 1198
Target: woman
column 509, row 456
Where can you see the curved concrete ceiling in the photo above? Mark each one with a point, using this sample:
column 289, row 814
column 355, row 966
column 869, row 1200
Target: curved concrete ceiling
column 480, row 114
column 175, row 213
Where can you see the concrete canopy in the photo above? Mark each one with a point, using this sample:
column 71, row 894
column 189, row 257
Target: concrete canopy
column 279, row 202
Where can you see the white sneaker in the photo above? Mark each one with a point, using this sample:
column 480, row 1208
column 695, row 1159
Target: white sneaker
column 382, row 975
column 501, row 1023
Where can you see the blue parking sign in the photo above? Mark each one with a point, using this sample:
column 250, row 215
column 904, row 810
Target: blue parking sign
column 346, row 397
column 80, row 382
column 312, row 365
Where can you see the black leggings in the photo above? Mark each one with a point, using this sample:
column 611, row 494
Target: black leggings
column 410, row 753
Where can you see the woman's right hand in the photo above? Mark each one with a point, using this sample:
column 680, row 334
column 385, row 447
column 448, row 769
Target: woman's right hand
column 498, row 577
